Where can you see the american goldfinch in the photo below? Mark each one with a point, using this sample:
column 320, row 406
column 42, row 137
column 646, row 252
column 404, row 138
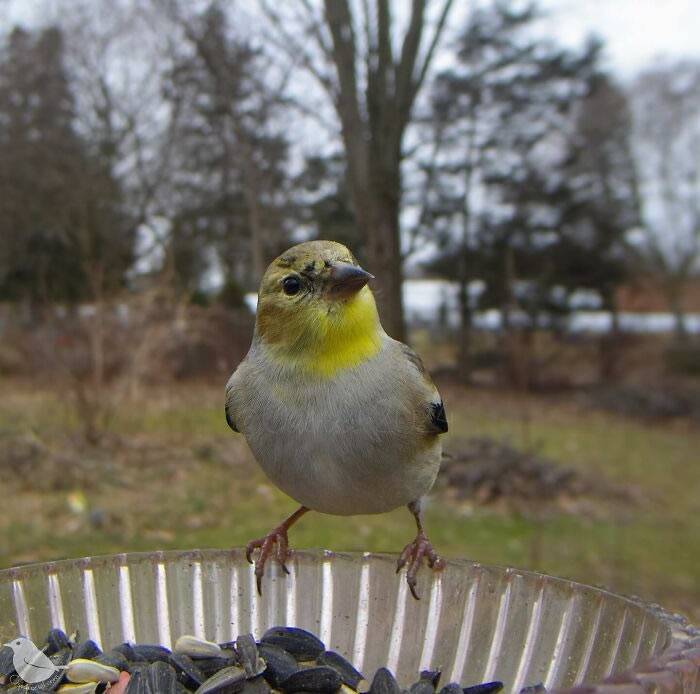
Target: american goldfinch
column 340, row 416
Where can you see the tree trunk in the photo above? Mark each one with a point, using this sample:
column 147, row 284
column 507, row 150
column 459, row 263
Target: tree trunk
column 674, row 296
column 465, row 333
column 610, row 343
column 373, row 129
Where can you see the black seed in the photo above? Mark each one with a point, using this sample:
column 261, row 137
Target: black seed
column 302, row 644
column 384, row 683
column 56, row 639
column 451, row 688
column 187, row 672
column 347, row 672
column 256, row 685
column 161, row 677
column 62, row 657
column 6, row 665
column 151, row 652
column 422, row 686
column 320, row 679
column 86, row 649
column 137, row 666
column 137, row 683
column 484, row 688
column 209, row 666
column 113, row 658
column 534, row 689
column 227, row 681
column 280, row 664
column 127, row 650
column 247, row 655
column 431, row 675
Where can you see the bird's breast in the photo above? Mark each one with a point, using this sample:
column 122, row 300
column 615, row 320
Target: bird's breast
column 342, row 446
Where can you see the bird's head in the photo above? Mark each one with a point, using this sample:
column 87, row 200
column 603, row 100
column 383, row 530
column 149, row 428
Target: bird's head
column 20, row 643
column 315, row 308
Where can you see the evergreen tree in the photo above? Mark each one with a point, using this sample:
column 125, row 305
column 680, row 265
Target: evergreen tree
column 65, row 233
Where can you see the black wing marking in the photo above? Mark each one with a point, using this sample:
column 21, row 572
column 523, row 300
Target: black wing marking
column 229, row 420
column 438, row 416
column 414, row 359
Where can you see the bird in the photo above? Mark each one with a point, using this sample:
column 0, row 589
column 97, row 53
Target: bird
column 340, row 416
column 31, row 664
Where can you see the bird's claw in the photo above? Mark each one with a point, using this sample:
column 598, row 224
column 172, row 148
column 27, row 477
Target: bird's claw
column 412, row 556
column 276, row 544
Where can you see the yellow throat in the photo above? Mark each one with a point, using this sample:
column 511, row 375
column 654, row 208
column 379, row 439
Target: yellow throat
column 321, row 338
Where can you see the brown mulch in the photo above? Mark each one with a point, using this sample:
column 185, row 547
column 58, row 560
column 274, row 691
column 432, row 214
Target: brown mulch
column 487, row 472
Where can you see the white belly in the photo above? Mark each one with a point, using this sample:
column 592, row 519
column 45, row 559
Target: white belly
column 336, row 451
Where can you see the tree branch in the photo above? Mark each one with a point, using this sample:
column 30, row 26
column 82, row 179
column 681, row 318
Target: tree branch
column 418, row 82
column 291, row 47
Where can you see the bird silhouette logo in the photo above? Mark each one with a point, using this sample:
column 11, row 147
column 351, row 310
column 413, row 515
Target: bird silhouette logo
column 30, row 663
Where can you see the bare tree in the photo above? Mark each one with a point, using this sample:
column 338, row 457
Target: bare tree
column 666, row 111
column 372, row 77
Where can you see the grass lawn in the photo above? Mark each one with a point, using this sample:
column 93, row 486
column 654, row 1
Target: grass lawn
column 171, row 475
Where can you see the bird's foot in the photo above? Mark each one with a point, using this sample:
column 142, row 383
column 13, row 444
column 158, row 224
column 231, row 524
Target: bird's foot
column 412, row 557
column 276, row 544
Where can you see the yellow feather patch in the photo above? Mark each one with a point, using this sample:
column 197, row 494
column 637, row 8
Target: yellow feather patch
column 323, row 338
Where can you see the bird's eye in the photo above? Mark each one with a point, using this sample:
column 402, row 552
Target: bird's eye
column 291, row 285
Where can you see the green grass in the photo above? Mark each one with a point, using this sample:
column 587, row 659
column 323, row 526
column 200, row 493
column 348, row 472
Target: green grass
column 170, row 475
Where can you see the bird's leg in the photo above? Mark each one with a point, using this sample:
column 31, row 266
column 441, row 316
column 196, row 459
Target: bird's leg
column 414, row 552
column 275, row 541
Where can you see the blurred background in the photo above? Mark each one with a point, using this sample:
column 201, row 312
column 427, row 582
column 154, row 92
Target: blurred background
column 523, row 180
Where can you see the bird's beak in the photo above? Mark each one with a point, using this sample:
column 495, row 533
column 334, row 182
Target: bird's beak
column 344, row 280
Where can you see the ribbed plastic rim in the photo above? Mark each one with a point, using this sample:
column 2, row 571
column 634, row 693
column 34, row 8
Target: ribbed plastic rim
column 674, row 669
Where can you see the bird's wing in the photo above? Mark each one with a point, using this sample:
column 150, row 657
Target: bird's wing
column 435, row 417
column 231, row 389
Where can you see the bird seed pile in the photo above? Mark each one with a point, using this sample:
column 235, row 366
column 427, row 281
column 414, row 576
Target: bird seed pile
column 286, row 660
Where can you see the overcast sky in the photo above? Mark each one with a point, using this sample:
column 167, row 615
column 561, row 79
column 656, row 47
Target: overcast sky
column 636, row 31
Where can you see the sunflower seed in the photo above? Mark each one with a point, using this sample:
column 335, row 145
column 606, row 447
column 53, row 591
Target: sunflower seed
column 56, row 640
column 196, row 647
column 347, row 672
column 247, row 653
column 384, row 683
column 127, row 650
column 280, row 664
column 137, row 683
column 210, row 666
column 62, row 657
column 6, row 665
column 161, row 678
column 451, row 688
column 151, row 652
column 137, row 666
column 484, row 688
column 433, row 676
column 256, row 685
column 85, row 650
column 83, row 670
column 113, row 658
column 302, row 644
column 187, row 672
column 320, row 678
column 422, row 686
column 534, row 689
column 227, row 681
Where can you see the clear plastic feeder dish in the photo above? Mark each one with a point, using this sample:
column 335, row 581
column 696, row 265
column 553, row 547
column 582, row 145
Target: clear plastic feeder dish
column 475, row 623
